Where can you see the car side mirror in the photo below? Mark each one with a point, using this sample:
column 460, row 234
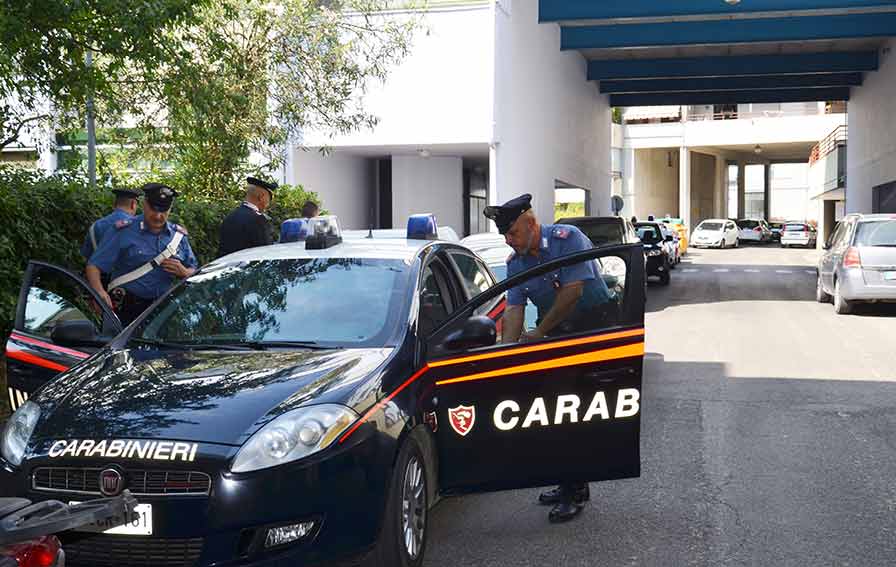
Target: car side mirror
column 670, row 238
column 478, row 331
column 75, row 333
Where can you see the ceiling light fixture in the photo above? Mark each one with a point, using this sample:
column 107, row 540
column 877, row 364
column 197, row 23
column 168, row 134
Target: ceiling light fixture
column 757, row 150
column 424, row 153
column 732, row 2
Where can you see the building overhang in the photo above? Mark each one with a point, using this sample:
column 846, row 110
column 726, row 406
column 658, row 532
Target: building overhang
column 656, row 52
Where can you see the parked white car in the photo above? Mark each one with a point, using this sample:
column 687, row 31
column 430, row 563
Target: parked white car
column 715, row 233
column 798, row 234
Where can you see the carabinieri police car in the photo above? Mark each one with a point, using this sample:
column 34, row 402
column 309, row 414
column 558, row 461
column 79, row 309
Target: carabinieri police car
column 306, row 403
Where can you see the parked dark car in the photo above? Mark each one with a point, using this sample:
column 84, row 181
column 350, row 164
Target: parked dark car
column 658, row 260
column 777, row 229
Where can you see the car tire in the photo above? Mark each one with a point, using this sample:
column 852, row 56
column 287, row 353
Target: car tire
column 821, row 296
column 737, row 242
column 841, row 306
column 665, row 278
column 407, row 508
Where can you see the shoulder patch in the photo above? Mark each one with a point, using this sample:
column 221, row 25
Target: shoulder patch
column 181, row 230
column 120, row 224
column 561, row 232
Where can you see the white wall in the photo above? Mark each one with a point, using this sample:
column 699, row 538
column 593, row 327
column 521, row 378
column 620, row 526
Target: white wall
column 428, row 185
column 655, row 182
column 345, row 184
column 871, row 149
column 441, row 93
column 550, row 122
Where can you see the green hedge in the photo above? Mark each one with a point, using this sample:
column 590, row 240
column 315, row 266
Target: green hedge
column 46, row 218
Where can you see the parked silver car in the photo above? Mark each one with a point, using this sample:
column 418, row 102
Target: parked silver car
column 859, row 262
column 798, row 234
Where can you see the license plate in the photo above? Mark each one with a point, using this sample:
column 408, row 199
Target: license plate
column 890, row 276
column 140, row 523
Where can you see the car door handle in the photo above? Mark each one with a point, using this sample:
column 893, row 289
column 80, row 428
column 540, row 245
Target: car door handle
column 609, row 375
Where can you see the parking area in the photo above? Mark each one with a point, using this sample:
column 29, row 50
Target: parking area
column 766, row 437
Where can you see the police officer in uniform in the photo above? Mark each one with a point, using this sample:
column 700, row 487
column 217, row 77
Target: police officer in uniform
column 295, row 230
column 568, row 300
column 247, row 225
column 144, row 256
column 126, row 201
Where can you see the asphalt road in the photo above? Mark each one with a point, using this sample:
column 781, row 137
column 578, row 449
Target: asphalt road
column 769, row 437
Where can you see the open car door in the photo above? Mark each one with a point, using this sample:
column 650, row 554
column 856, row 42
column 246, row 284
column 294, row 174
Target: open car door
column 565, row 408
column 55, row 308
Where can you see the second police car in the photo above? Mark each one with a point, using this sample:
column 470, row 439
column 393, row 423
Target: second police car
column 306, row 403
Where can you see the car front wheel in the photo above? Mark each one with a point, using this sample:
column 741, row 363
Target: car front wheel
column 402, row 540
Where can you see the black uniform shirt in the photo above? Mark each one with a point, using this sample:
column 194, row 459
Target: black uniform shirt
column 245, row 227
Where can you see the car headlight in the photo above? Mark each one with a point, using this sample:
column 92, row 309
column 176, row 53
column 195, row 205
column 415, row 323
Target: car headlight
column 654, row 252
column 293, row 436
column 18, row 431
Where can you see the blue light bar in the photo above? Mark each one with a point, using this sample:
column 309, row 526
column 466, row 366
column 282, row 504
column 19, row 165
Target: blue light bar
column 423, row 227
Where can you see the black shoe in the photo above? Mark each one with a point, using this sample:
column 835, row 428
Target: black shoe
column 564, row 512
column 556, row 495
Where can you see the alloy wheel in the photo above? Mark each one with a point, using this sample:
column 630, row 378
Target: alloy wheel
column 413, row 508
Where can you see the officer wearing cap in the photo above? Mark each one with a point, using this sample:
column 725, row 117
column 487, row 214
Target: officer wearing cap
column 247, row 225
column 144, row 256
column 566, row 301
column 126, row 201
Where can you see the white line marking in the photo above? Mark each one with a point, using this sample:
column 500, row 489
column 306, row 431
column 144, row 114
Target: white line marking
column 810, row 272
column 783, row 271
column 753, row 271
column 690, row 270
column 721, row 270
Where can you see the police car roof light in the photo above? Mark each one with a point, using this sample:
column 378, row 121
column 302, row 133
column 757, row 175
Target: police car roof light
column 324, row 232
column 423, row 227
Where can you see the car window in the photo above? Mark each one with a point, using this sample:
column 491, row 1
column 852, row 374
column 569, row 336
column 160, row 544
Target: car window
column 876, row 233
column 599, row 308
column 54, row 298
column 434, row 306
column 747, row 224
column 731, row 226
column 338, row 302
column 649, row 234
column 798, row 227
column 710, row 226
column 474, row 275
column 602, row 233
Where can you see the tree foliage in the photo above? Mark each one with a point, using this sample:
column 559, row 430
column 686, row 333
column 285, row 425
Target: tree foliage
column 43, row 63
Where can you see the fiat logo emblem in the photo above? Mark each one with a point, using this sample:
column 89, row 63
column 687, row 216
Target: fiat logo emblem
column 111, row 482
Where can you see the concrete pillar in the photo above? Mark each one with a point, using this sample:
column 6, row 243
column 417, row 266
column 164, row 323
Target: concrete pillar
column 741, row 189
column 720, row 191
column 684, row 186
column 767, row 191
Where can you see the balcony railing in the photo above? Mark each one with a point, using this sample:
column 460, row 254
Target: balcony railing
column 829, row 144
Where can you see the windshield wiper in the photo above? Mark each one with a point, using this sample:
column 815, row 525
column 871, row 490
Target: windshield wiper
column 190, row 346
column 261, row 345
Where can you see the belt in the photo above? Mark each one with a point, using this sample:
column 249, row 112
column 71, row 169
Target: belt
column 156, row 262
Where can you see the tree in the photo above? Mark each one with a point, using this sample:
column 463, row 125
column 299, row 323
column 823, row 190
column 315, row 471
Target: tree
column 45, row 43
column 254, row 73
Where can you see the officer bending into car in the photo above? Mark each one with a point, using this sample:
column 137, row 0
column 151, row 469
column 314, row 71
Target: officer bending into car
column 126, row 202
column 248, row 226
column 143, row 257
column 568, row 300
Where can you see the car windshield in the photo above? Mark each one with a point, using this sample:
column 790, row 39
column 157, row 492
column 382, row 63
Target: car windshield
column 876, row 233
column 648, row 233
column 602, row 233
column 327, row 302
column 796, row 228
column 751, row 224
column 710, row 226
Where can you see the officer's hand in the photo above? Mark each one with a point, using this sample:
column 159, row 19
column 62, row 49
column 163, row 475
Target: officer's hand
column 175, row 268
column 530, row 336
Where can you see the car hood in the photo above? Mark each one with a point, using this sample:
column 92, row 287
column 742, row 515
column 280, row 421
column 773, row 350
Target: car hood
column 211, row 397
